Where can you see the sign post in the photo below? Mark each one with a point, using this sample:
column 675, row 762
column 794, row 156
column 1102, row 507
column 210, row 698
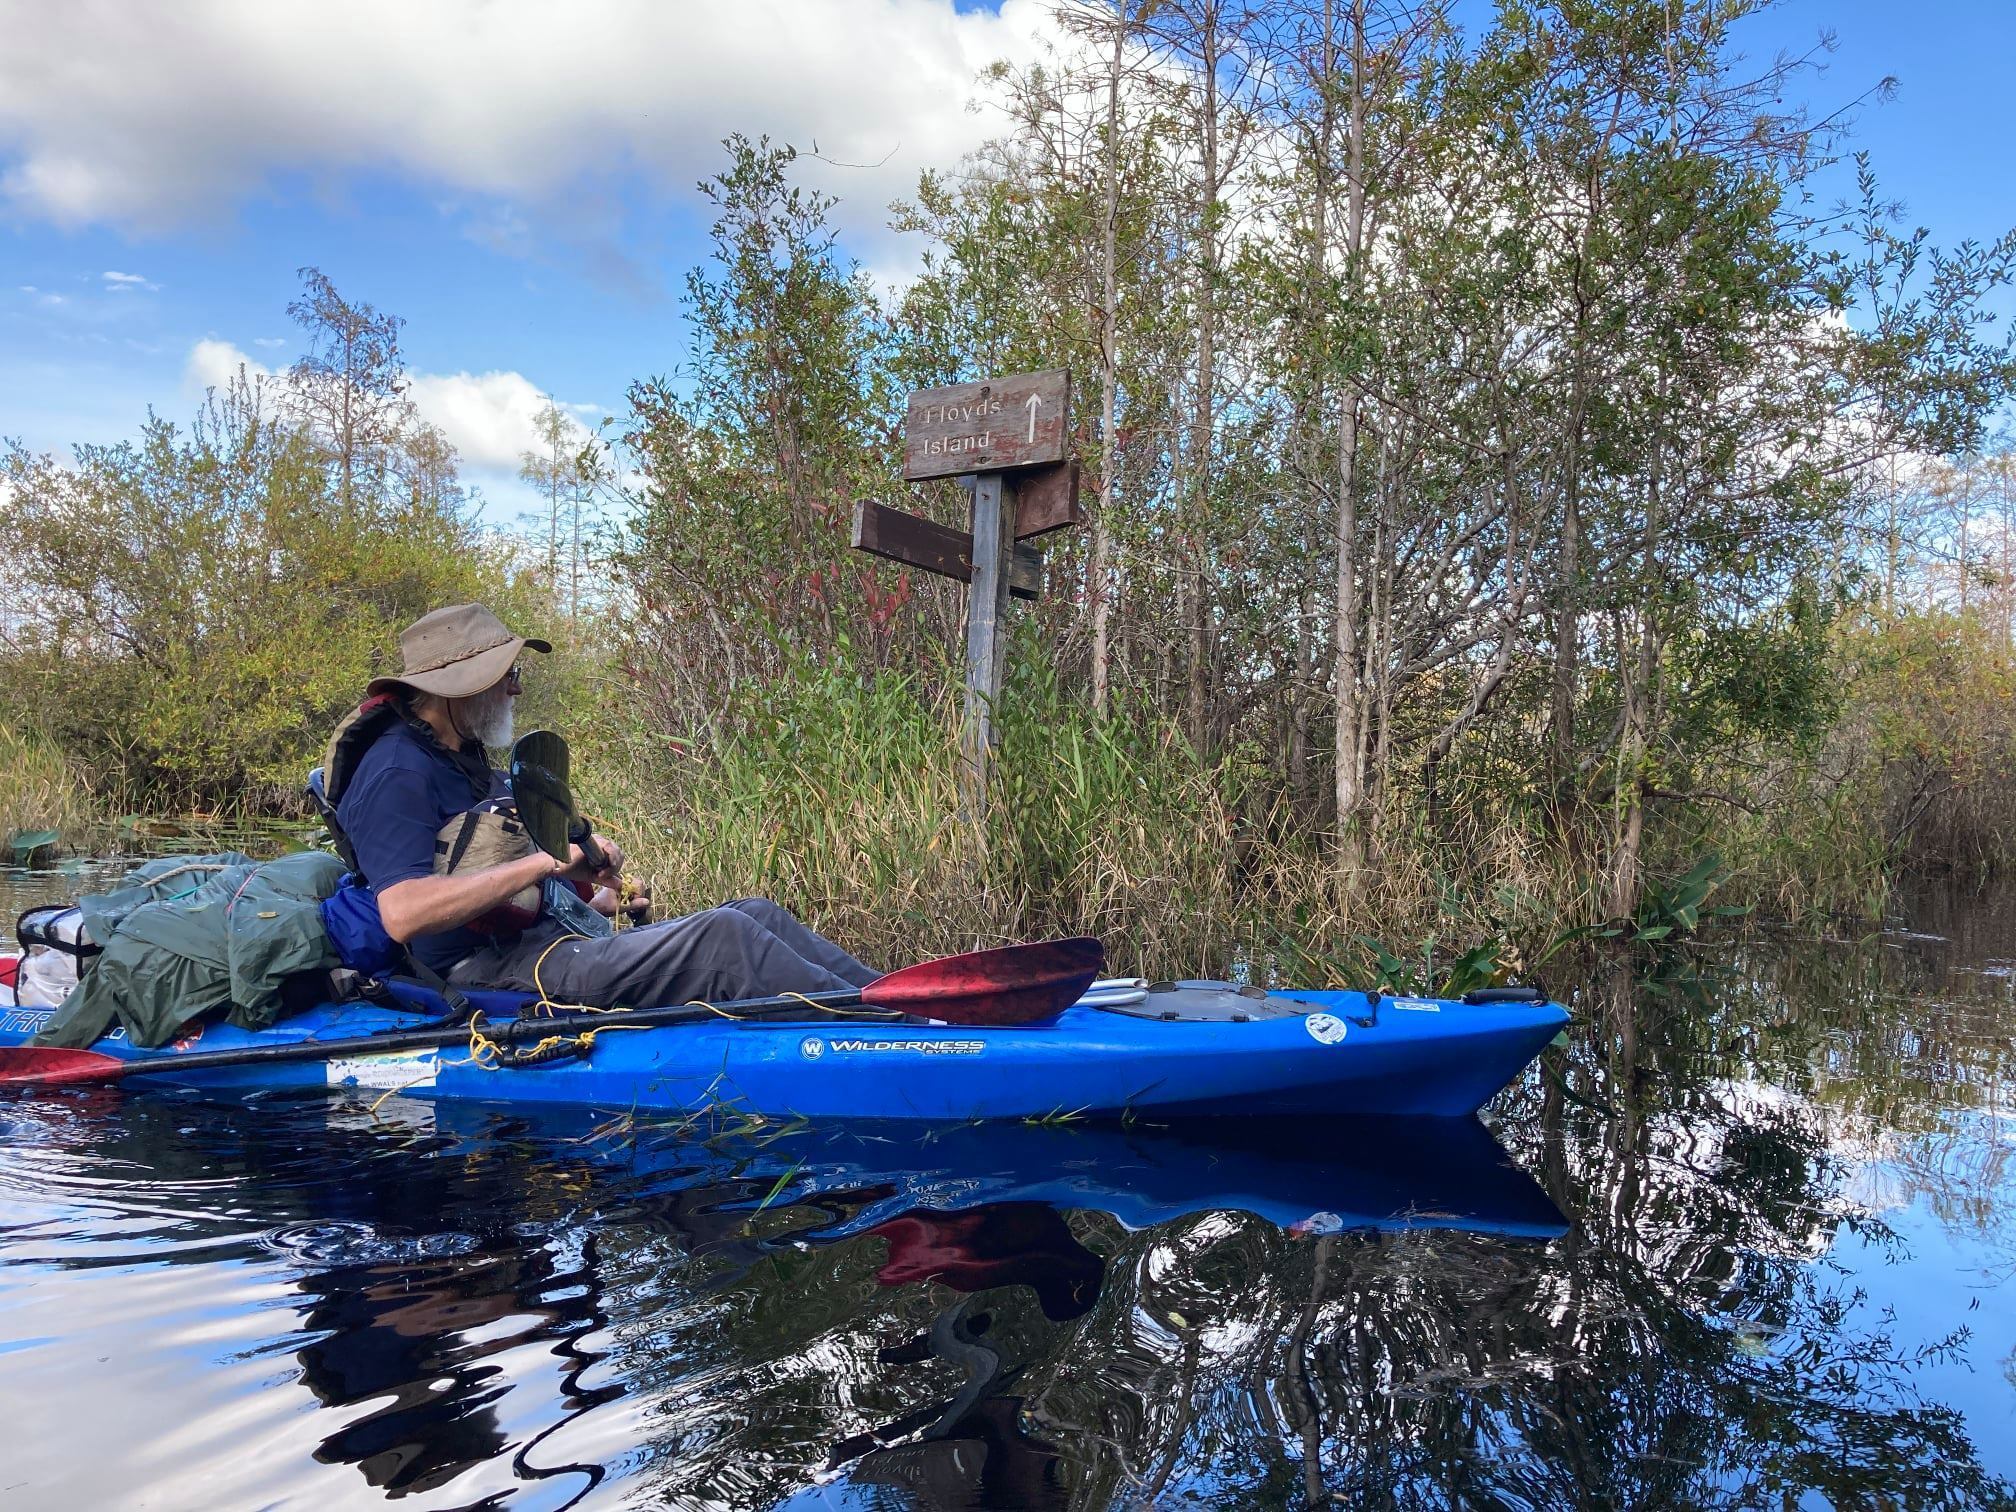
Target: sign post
column 1003, row 440
column 986, row 617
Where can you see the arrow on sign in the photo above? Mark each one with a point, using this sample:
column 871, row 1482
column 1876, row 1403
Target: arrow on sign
column 1035, row 404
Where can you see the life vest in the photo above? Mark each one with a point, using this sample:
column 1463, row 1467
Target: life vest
column 355, row 735
column 488, row 835
column 352, row 738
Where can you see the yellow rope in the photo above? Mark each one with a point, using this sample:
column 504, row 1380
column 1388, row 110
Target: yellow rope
column 828, row 1007
column 742, row 1018
column 486, row 1054
column 439, row 1066
column 546, row 1006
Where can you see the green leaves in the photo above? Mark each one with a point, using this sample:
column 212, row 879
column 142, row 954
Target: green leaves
column 1675, row 908
column 206, row 603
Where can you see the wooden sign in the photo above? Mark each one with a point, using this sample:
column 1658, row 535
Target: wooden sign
column 924, row 543
column 990, row 426
column 1004, row 440
column 1046, row 499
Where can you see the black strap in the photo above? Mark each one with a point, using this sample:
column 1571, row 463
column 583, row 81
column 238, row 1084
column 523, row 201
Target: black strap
column 460, row 1009
column 327, row 812
column 569, row 1047
column 82, row 952
column 465, row 835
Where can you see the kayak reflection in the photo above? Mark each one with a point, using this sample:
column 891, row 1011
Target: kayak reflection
column 981, row 1211
column 978, row 1210
column 485, row 1308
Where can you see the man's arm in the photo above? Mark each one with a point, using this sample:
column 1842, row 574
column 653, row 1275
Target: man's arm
column 389, row 816
column 429, row 905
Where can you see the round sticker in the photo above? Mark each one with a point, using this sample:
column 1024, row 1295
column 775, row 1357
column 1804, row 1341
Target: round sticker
column 811, row 1047
column 1324, row 1028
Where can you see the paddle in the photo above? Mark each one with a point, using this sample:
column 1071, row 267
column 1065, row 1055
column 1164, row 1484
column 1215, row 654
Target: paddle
column 1014, row 985
column 540, row 763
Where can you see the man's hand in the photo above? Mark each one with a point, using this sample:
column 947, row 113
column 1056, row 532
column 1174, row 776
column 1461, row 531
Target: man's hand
column 611, row 872
column 631, row 899
column 637, row 903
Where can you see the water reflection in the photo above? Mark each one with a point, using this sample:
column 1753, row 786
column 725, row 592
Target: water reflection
column 1750, row 1246
column 761, row 1308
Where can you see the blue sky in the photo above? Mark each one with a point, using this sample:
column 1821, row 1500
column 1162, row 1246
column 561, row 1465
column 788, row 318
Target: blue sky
column 519, row 188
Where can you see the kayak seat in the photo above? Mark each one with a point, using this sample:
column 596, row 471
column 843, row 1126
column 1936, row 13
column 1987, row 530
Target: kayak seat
column 318, row 797
column 417, row 997
column 1205, row 1003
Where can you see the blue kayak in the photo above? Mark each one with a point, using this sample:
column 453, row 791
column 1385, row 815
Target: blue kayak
column 1203, row 1051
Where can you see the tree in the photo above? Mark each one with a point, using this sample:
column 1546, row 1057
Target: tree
column 552, row 469
column 197, row 609
column 349, row 389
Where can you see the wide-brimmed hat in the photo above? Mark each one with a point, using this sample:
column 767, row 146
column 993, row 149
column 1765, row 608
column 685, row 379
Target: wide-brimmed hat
column 455, row 652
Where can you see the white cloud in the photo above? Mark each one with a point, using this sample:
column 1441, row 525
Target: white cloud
column 488, row 417
column 213, row 364
column 122, row 283
column 490, row 97
column 269, row 341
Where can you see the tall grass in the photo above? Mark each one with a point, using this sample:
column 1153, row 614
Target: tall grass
column 38, row 791
column 838, row 794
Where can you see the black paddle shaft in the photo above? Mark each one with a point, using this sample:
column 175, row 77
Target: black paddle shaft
column 503, row 1032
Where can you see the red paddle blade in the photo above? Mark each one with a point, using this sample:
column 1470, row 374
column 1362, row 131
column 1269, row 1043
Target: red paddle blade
column 1016, row 984
column 49, row 1067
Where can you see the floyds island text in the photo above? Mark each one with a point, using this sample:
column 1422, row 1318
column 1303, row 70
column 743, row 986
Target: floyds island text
column 978, row 411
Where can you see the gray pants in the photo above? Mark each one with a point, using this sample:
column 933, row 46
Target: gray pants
column 749, row 948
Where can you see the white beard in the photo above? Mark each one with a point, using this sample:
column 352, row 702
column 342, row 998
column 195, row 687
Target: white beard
column 487, row 716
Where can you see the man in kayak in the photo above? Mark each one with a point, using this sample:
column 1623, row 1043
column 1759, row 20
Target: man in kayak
column 413, row 759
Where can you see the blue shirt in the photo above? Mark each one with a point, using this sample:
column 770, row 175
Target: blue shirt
column 405, row 787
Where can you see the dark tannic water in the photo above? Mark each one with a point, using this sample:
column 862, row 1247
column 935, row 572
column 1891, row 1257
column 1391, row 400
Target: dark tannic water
column 1749, row 1241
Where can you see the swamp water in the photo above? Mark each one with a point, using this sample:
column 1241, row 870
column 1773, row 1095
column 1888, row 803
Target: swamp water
column 1749, row 1241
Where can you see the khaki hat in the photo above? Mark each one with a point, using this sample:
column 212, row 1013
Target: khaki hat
column 455, row 652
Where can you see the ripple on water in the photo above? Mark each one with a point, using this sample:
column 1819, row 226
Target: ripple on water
column 331, row 1242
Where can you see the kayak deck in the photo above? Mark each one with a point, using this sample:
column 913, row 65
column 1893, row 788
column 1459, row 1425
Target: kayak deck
column 1301, row 1053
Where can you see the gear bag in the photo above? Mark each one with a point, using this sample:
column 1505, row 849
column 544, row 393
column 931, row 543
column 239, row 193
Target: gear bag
column 54, row 948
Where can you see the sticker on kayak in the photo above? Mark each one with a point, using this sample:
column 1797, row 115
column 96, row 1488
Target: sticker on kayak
column 24, row 1020
column 812, row 1047
column 1324, row 1028
column 1417, row 1005
column 386, row 1072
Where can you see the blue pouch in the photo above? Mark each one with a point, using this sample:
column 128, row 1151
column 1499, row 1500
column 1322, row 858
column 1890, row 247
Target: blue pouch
column 356, row 933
